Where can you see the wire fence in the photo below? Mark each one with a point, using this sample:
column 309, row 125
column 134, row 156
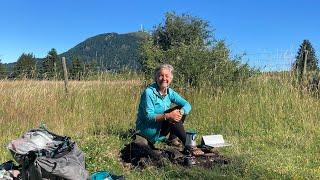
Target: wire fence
column 273, row 60
column 267, row 61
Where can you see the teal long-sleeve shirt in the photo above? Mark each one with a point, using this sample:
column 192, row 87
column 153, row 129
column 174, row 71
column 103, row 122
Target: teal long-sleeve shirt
column 153, row 104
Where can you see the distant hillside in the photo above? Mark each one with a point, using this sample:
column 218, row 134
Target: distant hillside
column 110, row 50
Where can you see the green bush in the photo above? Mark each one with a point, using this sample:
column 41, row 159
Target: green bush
column 187, row 43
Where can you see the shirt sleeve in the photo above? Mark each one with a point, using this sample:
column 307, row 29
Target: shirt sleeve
column 148, row 109
column 180, row 101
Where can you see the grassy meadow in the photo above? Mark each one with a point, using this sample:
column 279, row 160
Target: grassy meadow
column 274, row 128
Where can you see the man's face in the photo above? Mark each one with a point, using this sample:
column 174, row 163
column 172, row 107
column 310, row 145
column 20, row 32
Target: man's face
column 164, row 78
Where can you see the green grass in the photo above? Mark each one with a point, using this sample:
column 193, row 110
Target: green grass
column 273, row 127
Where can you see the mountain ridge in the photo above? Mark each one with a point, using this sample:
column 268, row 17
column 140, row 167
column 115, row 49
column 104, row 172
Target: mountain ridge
column 110, row 51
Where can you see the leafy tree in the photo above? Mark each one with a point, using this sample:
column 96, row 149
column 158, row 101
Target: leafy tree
column 181, row 30
column 188, row 44
column 3, row 70
column 25, row 66
column 52, row 65
column 306, row 51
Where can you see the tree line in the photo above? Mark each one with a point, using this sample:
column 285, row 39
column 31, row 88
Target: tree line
column 50, row 68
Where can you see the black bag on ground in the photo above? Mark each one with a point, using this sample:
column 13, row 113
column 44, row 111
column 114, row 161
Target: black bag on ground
column 45, row 155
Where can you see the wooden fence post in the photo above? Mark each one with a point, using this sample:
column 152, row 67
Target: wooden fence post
column 65, row 72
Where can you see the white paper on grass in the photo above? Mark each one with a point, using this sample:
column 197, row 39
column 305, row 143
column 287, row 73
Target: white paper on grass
column 214, row 141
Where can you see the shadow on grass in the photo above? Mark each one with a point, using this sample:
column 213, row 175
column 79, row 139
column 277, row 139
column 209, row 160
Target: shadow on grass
column 238, row 168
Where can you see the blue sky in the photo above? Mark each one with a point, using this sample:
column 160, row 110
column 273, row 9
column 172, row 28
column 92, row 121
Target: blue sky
column 269, row 31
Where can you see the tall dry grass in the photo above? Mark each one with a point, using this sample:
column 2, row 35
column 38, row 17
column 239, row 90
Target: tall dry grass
column 273, row 126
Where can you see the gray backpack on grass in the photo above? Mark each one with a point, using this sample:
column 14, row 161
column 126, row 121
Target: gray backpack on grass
column 45, row 155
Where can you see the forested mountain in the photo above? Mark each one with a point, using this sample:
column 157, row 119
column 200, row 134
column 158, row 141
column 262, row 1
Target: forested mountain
column 110, row 51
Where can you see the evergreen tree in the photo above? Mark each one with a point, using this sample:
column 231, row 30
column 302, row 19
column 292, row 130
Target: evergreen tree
column 90, row 67
column 52, row 65
column 3, row 70
column 25, row 66
column 77, row 68
column 306, row 51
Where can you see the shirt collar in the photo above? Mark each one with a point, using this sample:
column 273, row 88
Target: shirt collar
column 155, row 89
